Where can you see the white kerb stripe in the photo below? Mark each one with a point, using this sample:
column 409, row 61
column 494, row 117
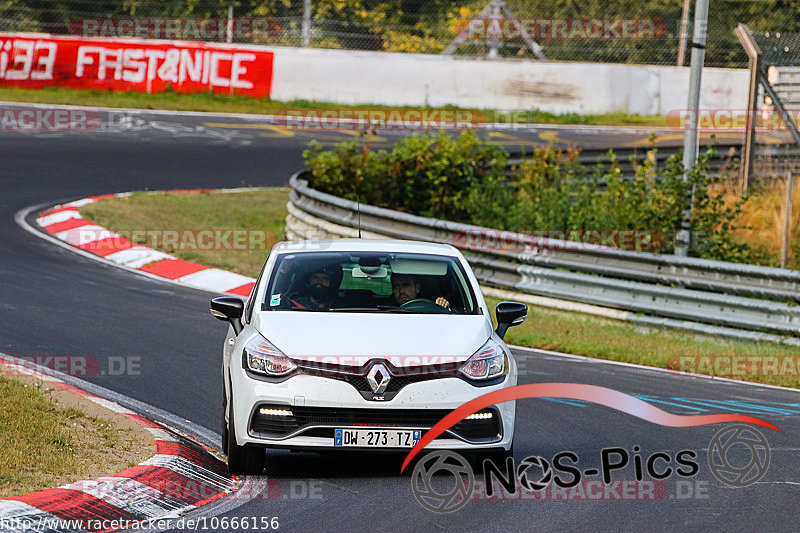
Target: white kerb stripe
column 29, row 517
column 80, row 203
column 61, row 216
column 162, row 434
column 128, row 494
column 88, row 234
column 13, row 508
column 109, row 405
column 185, row 467
column 22, row 369
column 137, row 257
column 215, row 279
column 80, row 234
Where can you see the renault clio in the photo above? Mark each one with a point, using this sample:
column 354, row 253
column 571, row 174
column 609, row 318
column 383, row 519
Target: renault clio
column 362, row 344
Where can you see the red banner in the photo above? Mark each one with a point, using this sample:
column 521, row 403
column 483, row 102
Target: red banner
column 33, row 61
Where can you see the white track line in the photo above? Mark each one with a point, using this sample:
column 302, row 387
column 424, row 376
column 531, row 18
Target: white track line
column 635, row 366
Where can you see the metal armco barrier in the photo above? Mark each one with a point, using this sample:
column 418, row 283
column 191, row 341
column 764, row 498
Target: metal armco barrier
column 767, row 158
column 712, row 292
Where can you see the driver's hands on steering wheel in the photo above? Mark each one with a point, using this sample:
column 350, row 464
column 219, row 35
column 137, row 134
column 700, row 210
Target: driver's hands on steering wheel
column 443, row 302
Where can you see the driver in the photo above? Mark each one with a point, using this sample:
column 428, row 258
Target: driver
column 406, row 287
column 319, row 289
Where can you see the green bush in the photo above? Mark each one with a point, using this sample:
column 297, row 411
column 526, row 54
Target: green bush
column 425, row 175
column 465, row 180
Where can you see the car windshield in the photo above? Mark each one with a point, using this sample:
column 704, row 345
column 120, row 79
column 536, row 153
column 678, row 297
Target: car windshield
column 369, row 282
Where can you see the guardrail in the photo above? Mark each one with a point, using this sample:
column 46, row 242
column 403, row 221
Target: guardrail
column 770, row 160
column 747, row 297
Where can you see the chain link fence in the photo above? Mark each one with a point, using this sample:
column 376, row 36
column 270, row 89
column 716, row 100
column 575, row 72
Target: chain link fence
column 776, row 153
column 618, row 31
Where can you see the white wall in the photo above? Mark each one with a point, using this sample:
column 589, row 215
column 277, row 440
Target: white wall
column 415, row 79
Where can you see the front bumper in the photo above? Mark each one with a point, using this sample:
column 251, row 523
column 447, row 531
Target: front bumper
column 318, row 405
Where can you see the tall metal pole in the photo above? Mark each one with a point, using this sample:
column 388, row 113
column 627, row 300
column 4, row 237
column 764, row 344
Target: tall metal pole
column 690, row 139
column 687, row 5
column 306, row 23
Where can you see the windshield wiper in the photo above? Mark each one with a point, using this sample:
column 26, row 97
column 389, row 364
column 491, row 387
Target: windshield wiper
column 356, row 309
column 266, row 307
column 381, row 308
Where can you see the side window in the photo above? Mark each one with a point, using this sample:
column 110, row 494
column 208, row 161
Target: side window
column 248, row 310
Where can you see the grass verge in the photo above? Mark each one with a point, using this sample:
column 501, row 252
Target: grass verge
column 50, row 437
column 180, row 216
column 211, row 102
column 545, row 328
column 763, row 221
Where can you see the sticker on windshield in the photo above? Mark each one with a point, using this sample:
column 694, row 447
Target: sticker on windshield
column 275, row 300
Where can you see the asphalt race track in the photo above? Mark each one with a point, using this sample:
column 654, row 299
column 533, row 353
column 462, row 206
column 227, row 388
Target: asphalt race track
column 54, row 302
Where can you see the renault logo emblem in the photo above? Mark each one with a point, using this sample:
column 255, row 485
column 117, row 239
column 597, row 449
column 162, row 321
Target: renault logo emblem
column 378, row 378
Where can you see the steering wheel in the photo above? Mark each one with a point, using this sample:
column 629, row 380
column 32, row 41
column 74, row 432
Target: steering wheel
column 424, row 306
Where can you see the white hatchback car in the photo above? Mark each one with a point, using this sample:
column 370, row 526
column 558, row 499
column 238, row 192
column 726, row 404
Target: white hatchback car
column 362, row 344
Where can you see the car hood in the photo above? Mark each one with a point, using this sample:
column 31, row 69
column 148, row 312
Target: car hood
column 354, row 338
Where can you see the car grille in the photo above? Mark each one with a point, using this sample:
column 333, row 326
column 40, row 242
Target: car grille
column 309, row 417
column 395, row 383
column 357, row 376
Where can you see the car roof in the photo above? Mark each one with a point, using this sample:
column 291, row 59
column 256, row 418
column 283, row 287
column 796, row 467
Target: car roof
column 365, row 245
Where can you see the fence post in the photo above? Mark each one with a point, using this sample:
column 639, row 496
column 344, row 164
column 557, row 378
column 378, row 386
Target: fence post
column 787, row 218
column 754, row 65
column 494, row 43
column 229, row 32
column 687, row 6
column 306, row 23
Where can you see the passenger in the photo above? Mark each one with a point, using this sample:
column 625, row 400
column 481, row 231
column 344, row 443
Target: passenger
column 406, row 287
column 319, row 289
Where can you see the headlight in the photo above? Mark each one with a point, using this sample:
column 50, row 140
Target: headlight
column 262, row 357
column 487, row 363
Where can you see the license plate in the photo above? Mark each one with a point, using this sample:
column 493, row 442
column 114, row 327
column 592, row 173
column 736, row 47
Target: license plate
column 377, row 438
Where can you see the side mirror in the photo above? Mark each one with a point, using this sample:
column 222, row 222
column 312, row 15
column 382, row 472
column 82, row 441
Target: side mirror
column 229, row 309
column 510, row 314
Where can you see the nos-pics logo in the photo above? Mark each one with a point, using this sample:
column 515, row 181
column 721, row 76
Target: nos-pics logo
column 443, row 481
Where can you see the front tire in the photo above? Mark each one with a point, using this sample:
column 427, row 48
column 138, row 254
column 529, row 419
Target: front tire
column 242, row 460
column 224, row 423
